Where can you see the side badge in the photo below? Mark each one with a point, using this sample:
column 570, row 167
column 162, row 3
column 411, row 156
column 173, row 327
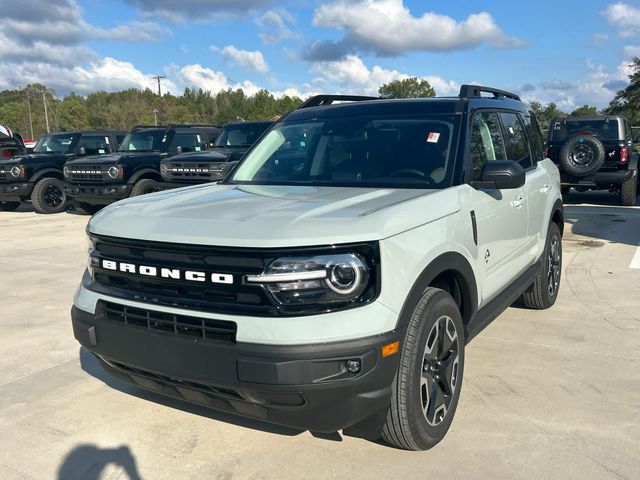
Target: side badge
column 486, row 256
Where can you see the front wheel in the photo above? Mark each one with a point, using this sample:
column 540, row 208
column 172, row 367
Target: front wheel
column 543, row 292
column 144, row 186
column 48, row 196
column 426, row 388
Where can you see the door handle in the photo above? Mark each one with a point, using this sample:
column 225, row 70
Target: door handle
column 517, row 203
column 545, row 188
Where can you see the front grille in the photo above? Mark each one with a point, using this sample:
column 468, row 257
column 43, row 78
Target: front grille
column 86, row 173
column 191, row 171
column 180, row 325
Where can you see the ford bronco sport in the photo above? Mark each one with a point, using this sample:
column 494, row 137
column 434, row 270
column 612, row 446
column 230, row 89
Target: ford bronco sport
column 135, row 168
column 209, row 165
column 595, row 153
column 38, row 176
column 332, row 280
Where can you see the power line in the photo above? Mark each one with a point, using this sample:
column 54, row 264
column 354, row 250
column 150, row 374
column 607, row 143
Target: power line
column 159, row 78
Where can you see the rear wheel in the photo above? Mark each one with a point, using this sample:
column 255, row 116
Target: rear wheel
column 144, row 186
column 628, row 191
column 48, row 196
column 427, row 385
column 9, row 206
column 544, row 291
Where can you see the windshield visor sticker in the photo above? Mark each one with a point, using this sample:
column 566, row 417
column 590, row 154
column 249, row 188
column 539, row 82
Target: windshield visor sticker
column 433, row 137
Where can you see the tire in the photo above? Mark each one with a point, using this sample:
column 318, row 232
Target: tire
column 434, row 320
column 144, row 186
column 9, row 206
column 48, row 196
column 582, row 155
column 543, row 292
column 628, row 191
column 88, row 208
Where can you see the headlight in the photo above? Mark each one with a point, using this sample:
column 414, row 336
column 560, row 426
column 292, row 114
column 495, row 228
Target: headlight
column 66, row 171
column 90, row 258
column 115, row 171
column 322, row 279
column 17, row 170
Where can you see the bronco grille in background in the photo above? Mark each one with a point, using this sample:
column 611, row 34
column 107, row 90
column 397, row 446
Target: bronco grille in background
column 181, row 325
column 192, row 171
column 90, row 173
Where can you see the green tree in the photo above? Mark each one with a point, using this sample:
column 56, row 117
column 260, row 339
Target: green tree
column 627, row 101
column 584, row 111
column 545, row 113
column 411, row 87
column 73, row 113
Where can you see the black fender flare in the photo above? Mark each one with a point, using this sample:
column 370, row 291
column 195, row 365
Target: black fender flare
column 557, row 214
column 142, row 172
column 46, row 172
column 460, row 267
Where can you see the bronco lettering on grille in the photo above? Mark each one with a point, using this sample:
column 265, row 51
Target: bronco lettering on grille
column 171, row 273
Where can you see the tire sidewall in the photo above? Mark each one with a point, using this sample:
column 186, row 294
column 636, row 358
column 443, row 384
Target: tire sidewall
column 442, row 304
column 553, row 230
column 582, row 171
column 141, row 185
column 39, row 191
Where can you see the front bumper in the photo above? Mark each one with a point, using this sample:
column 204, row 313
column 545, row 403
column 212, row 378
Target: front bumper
column 300, row 386
column 98, row 194
column 598, row 179
column 15, row 191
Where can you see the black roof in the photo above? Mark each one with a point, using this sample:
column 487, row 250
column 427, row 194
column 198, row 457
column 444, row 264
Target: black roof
column 590, row 118
column 76, row 132
column 175, row 125
column 251, row 122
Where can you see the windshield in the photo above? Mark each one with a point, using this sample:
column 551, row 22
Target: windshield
column 241, row 135
column 59, row 143
column 148, row 140
column 398, row 152
column 560, row 130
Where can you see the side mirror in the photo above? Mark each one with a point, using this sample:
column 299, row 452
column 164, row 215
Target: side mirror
column 227, row 168
column 501, row 174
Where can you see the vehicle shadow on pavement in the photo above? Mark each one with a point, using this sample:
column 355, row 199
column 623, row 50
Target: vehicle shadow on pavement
column 612, row 224
column 87, row 462
column 90, row 365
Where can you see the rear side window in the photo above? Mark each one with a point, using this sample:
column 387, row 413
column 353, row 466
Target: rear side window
column 604, row 129
column 516, row 140
column 535, row 137
column 95, row 144
column 487, row 142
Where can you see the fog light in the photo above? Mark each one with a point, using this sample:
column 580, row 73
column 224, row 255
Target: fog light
column 353, row 366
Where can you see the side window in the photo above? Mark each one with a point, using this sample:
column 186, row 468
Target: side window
column 537, row 143
column 190, row 142
column 95, row 144
column 486, row 141
column 516, row 140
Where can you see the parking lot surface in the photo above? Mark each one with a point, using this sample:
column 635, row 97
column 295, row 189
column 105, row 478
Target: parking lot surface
column 546, row 394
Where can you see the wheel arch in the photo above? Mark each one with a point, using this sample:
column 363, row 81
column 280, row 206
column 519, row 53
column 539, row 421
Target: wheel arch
column 451, row 272
column 557, row 215
column 47, row 172
column 145, row 173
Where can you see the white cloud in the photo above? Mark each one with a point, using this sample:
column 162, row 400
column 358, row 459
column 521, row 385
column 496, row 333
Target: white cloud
column 351, row 75
column 251, row 60
column 387, row 27
column 625, row 17
column 274, row 26
column 197, row 76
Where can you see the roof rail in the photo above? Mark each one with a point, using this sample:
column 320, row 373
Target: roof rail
column 320, row 100
column 467, row 91
column 176, row 125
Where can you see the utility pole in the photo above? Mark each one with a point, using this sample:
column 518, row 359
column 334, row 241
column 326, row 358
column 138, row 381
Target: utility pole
column 159, row 78
column 46, row 116
column 155, row 116
column 29, row 110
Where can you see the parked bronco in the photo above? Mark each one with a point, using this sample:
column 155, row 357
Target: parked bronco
column 333, row 279
column 595, row 153
column 208, row 165
column 38, row 176
column 134, row 169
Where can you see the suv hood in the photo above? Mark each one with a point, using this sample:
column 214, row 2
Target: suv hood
column 213, row 155
column 112, row 158
column 272, row 216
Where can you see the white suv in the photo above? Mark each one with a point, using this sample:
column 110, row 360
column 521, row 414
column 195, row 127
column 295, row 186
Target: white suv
column 333, row 279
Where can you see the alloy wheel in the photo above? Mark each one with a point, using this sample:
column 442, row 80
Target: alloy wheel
column 53, row 196
column 553, row 268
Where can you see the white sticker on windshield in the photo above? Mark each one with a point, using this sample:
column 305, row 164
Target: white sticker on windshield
column 197, row 149
column 511, row 132
column 433, row 137
column 101, row 150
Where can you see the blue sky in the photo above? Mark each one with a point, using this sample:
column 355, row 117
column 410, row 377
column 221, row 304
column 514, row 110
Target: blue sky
column 567, row 51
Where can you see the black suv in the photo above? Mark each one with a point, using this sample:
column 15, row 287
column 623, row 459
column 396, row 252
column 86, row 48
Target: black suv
column 135, row 168
column 208, row 166
column 38, row 176
column 595, row 153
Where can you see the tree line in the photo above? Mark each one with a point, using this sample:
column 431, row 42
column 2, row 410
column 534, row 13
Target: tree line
column 23, row 109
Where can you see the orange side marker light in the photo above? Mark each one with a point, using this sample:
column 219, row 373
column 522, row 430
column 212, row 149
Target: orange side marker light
column 390, row 348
